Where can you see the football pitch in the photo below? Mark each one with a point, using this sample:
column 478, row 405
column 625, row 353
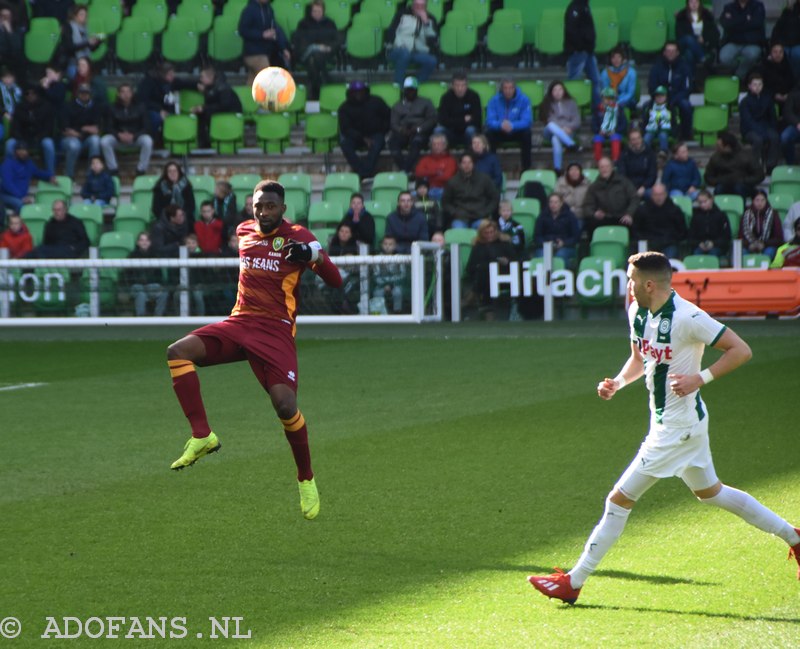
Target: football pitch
column 452, row 462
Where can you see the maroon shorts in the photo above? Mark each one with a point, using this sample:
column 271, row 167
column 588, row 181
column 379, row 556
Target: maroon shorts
column 267, row 344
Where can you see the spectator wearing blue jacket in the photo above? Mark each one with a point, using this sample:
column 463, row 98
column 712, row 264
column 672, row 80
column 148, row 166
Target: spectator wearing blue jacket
column 16, row 173
column 99, row 185
column 759, row 124
column 265, row 42
column 743, row 22
column 672, row 72
column 509, row 119
column 557, row 223
column 681, row 175
column 620, row 75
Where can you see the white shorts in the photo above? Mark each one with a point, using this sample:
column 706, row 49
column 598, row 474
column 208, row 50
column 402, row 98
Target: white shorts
column 680, row 452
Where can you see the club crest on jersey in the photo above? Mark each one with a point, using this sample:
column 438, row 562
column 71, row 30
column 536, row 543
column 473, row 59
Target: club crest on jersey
column 277, row 243
column 664, row 326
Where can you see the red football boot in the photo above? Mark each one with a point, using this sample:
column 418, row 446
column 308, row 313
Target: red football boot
column 794, row 551
column 557, row 585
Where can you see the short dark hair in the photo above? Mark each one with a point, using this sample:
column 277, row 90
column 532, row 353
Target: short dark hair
column 171, row 210
column 209, row 203
column 356, row 195
column 459, row 75
column 728, row 139
column 652, row 263
column 270, row 186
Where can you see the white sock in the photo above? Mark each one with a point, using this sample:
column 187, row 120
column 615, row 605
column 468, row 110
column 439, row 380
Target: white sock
column 745, row 506
column 604, row 535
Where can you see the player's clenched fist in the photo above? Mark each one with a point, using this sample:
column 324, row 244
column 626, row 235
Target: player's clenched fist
column 606, row 388
column 300, row 253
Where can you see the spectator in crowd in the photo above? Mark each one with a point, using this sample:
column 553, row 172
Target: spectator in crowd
column 158, row 91
column 169, row 232
column 709, row 229
column 85, row 74
column 145, row 282
column 731, row 169
column 361, row 222
column 486, row 249
column 759, row 124
column 790, row 135
column 610, row 200
column 743, row 22
column 75, row 41
column 760, row 229
column 792, row 214
column 559, row 113
column 363, row 124
column 638, row 163
column 412, row 121
column 572, row 188
column 12, row 42
column 34, row 121
column 412, row 34
column 54, row 88
column 788, row 255
column 787, row 33
column 681, row 175
column 579, row 44
column 209, row 229
column 509, row 119
column 201, row 280
column 173, row 188
column 438, row 166
column 218, row 97
column 487, row 161
column 406, row 224
column 659, row 121
column 224, row 203
column 64, row 236
column 460, row 112
column 777, row 75
column 246, row 213
column 557, row 223
column 343, row 242
column 314, row 41
column 58, row 9
column 10, row 96
column 265, row 42
column 84, row 119
column 127, row 128
column 660, row 222
column 673, row 73
column 469, row 196
column 429, row 207
column 609, row 125
column 16, row 172
column 509, row 229
column 98, row 188
column 697, row 34
column 17, row 238
column 620, row 75
column 390, row 281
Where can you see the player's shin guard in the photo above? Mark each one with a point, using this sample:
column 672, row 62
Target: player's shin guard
column 748, row 508
column 187, row 389
column 297, row 436
column 604, row 535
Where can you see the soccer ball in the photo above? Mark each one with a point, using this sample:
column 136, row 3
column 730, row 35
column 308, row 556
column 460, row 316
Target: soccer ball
column 273, row 89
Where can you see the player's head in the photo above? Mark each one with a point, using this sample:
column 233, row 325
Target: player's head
column 650, row 278
column 268, row 205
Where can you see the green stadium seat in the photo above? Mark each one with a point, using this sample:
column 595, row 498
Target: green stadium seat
column 380, row 210
column 224, row 43
column 41, row 40
column 106, row 287
column 243, row 185
column 525, row 207
column 324, row 235
column 273, row 131
column 459, row 235
column 781, row 203
column 321, row 132
column 685, row 203
column 533, row 89
column 505, row 38
column 606, row 25
column 202, row 188
column 190, row 99
column 733, row 206
column 611, row 242
column 132, row 218
column 35, row 217
column 297, row 109
column 134, row 43
column 116, row 245
column 649, row 30
column 338, row 187
column 390, row 92
column 385, row 10
column 47, row 192
column 486, row 90
column 233, row 8
column 701, row 262
column 380, row 220
column 597, row 264
column 529, row 12
column 721, row 91
column 550, row 32
column 709, row 120
column 227, row 132
column 105, row 18
column 249, row 105
column 201, row 11
column 288, row 13
column 581, row 91
column 785, row 179
column 756, row 261
column 331, row 96
column 55, row 300
column 180, row 133
column 297, row 187
column 591, row 174
column 528, row 223
column 142, row 192
column 155, row 12
column 340, row 12
column 322, row 213
column 547, row 177
column 457, row 41
column 180, row 42
column 92, row 217
column 387, row 185
column 480, row 10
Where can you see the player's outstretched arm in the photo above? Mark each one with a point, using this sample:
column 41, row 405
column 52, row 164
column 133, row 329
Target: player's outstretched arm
column 632, row 370
column 311, row 253
column 327, row 270
column 735, row 352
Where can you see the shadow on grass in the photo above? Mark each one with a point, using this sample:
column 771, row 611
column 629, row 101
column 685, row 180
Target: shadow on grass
column 703, row 614
column 617, row 574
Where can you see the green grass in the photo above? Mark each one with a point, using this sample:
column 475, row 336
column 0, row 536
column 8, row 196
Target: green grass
column 452, row 462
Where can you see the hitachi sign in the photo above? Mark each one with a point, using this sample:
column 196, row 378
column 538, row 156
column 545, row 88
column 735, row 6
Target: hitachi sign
column 563, row 283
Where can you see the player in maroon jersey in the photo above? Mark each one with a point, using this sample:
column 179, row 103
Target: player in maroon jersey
column 273, row 254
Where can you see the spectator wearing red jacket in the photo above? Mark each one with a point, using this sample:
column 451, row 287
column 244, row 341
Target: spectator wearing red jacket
column 438, row 166
column 16, row 238
column 209, row 229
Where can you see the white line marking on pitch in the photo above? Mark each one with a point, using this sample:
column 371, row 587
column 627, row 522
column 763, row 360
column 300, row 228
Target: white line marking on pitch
column 20, row 386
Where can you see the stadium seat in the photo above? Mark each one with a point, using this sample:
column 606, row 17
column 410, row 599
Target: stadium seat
column 52, row 302
column 338, row 187
column 47, row 192
column 339, row 11
column 180, row 133
column 190, row 98
column 134, row 43
column 591, row 174
column 297, row 187
column 733, row 206
column 116, row 245
column 390, row 92
column 547, row 177
column 380, row 209
column 41, row 40
column 297, row 109
column 485, row 90
column 92, row 217
column 606, row 25
column 35, row 217
column 534, row 90
column 227, row 132
column 721, row 91
column 457, row 40
column 385, row 10
column 288, row 13
column 756, row 261
column 505, row 37
column 106, row 287
column 323, row 235
column 201, row 11
column 380, row 221
column 649, row 30
column 155, row 12
column 785, row 179
column 480, row 10
column 273, row 131
column 528, row 223
column 224, row 43
column 180, row 42
column 131, row 218
column 685, row 203
column 202, row 188
column 365, row 19
column 781, row 203
column 387, row 185
column 244, row 182
column 105, row 18
column 321, row 132
column 322, row 213
column 525, row 207
column 142, row 192
column 597, row 264
column 233, row 8
column 701, row 262
column 432, row 90
column 709, row 120
column 249, row 105
column 611, row 242
column 459, row 235
column 529, row 13
column 581, row 91
column 331, row 96
column 550, row 32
